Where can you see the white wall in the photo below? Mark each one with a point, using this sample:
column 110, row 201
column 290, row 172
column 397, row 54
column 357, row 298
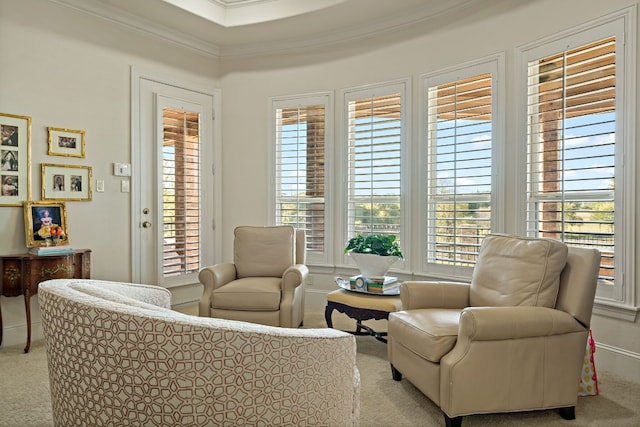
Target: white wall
column 67, row 69
column 499, row 27
column 70, row 70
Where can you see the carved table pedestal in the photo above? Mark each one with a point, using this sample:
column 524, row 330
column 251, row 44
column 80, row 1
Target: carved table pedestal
column 22, row 273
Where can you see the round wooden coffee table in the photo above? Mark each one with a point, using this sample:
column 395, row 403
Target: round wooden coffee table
column 361, row 306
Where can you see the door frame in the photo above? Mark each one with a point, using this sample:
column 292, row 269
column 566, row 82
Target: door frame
column 214, row 248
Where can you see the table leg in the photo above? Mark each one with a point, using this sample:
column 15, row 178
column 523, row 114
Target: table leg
column 380, row 336
column 27, row 307
column 357, row 314
column 0, row 324
column 327, row 315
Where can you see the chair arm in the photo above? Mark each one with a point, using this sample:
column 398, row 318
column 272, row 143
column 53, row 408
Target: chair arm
column 211, row 278
column 294, row 276
column 217, row 275
column 132, row 294
column 506, row 323
column 421, row 294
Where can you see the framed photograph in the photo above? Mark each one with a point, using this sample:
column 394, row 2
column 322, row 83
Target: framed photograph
column 40, row 218
column 66, row 182
column 15, row 159
column 66, row 142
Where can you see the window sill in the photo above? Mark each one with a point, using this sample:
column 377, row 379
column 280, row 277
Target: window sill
column 615, row 310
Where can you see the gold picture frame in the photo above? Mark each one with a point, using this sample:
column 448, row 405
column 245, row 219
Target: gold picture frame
column 66, row 142
column 39, row 217
column 66, row 182
column 15, row 159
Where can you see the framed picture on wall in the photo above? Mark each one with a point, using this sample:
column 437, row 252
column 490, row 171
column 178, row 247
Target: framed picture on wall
column 66, row 182
column 15, row 159
column 66, row 142
column 42, row 219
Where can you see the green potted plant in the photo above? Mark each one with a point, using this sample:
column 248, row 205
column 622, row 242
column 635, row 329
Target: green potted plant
column 374, row 254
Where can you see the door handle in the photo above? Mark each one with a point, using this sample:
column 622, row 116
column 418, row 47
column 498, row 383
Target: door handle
column 146, row 224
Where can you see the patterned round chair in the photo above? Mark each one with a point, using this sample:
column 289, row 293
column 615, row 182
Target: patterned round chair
column 118, row 355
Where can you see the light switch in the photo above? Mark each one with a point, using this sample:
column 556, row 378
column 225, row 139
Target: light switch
column 122, row 169
column 124, row 186
column 100, row 185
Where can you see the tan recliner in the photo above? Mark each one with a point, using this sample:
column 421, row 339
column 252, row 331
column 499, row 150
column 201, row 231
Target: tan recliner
column 512, row 340
column 264, row 284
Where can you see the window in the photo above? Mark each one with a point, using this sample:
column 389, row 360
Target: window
column 460, row 157
column 375, row 123
column 180, row 192
column 460, row 148
column 575, row 146
column 300, row 151
column 572, row 148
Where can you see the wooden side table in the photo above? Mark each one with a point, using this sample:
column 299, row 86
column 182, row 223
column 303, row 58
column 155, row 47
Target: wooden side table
column 22, row 273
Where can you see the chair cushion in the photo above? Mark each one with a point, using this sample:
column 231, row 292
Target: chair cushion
column 430, row 333
column 263, row 251
column 517, row 271
column 249, row 294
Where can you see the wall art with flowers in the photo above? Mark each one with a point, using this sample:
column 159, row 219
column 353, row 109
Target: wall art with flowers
column 45, row 224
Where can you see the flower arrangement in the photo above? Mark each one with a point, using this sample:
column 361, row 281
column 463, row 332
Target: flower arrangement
column 51, row 233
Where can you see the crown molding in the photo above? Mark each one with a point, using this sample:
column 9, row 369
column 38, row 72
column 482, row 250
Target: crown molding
column 353, row 34
column 431, row 11
column 142, row 25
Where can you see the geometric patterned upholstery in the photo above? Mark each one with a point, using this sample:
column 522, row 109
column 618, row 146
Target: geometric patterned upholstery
column 118, row 355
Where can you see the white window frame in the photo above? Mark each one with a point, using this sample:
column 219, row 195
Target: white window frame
column 613, row 300
column 492, row 64
column 173, row 191
column 403, row 87
column 294, row 101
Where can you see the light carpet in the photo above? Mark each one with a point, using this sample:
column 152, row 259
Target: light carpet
column 25, row 402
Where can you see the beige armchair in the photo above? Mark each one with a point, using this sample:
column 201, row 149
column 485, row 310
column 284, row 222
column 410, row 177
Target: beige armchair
column 512, row 340
column 264, row 284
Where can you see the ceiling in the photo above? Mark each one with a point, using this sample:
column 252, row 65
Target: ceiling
column 226, row 28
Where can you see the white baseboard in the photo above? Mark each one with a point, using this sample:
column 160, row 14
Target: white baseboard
column 618, row 361
column 17, row 334
column 185, row 294
column 316, row 299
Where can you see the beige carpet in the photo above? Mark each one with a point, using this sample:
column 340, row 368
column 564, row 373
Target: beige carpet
column 24, row 393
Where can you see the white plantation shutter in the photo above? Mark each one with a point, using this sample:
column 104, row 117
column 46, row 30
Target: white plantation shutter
column 180, row 192
column 572, row 148
column 375, row 141
column 300, row 137
column 459, row 180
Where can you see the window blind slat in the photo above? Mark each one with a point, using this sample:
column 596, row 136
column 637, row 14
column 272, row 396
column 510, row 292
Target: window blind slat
column 374, row 170
column 571, row 148
column 181, row 196
column 300, row 176
column 460, row 164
